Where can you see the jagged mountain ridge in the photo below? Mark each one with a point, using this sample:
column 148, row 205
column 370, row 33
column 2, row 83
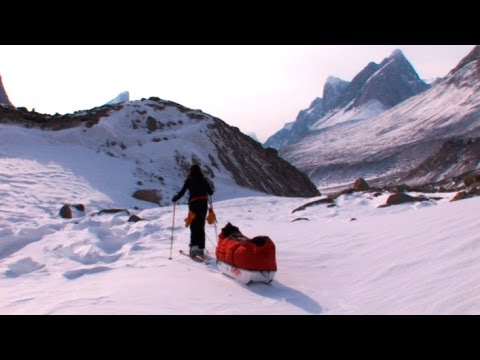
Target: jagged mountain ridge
column 374, row 89
column 399, row 139
column 163, row 139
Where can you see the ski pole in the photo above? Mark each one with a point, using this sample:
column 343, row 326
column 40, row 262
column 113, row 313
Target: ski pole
column 173, row 227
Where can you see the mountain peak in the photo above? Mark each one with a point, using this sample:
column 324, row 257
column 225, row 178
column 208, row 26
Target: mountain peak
column 332, row 80
column 333, row 90
column 3, row 94
column 122, row 97
column 395, row 81
column 397, row 54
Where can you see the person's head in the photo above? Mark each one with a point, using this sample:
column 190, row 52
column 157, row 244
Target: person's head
column 195, row 172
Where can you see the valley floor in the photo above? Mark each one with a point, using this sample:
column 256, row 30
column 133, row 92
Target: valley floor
column 350, row 259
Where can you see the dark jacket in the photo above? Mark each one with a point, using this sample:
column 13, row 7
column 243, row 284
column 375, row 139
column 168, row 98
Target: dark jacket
column 196, row 187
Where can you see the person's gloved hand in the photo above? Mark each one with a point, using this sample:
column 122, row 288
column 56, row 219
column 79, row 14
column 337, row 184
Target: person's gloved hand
column 175, row 198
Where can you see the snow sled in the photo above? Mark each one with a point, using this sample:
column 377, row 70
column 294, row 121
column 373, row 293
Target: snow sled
column 246, row 260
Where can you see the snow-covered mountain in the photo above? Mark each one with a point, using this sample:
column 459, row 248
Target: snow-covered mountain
column 294, row 131
column 341, row 147
column 154, row 142
column 3, row 95
column 373, row 90
column 121, row 98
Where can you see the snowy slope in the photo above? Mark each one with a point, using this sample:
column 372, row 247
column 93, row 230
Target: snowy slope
column 156, row 141
column 408, row 259
column 367, row 110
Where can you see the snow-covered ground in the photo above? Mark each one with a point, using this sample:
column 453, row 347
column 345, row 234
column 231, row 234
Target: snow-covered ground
column 406, row 259
column 368, row 110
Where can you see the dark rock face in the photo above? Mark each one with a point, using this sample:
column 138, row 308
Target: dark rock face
column 3, row 95
column 257, row 168
column 467, row 72
column 390, row 82
column 355, row 87
column 472, row 179
column 134, row 218
column 395, row 82
column 454, row 157
column 333, row 91
column 474, row 55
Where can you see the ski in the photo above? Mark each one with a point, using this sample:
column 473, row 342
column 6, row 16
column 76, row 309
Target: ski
column 198, row 259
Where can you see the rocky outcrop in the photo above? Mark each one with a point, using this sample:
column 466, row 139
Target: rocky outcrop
column 472, row 57
column 314, row 203
column 333, row 92
column 454, row 157
column 459, row 196
column 3, row 95
column 32, row 119
column 257, row 168
column 360, row 185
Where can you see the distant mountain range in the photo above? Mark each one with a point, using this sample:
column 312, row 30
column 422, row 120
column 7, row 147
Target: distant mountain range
column 373, row 90
column 384, row 123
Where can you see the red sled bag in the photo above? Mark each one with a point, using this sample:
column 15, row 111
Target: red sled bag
column 247, row 260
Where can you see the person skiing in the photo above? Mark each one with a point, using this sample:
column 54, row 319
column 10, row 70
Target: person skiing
column 199, row 188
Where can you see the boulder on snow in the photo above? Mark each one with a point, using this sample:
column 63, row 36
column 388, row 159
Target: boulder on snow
column 148, row 195
column 472, row 179
column 313, row 203
column 113, row 211
column 299, row 219
column 134, row 218
column 66, row 212
column 401, row 198
column 459, row 196
column 360, row 185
